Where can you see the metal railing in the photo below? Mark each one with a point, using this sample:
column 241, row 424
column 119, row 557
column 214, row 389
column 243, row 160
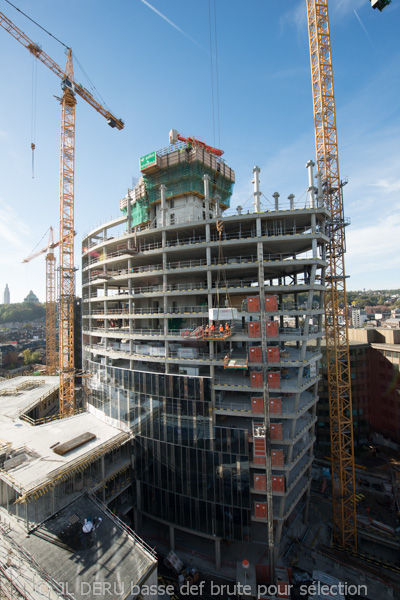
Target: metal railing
column 145, row 547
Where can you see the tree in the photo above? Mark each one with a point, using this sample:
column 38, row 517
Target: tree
column 31, row 357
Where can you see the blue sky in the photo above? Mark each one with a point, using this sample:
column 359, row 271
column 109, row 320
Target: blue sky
column 156, row 73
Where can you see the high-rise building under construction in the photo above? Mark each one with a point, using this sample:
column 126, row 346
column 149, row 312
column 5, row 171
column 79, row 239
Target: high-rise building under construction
column 201, row 332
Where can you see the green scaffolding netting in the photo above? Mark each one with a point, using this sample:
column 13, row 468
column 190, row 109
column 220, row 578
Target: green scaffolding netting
column 185, row 178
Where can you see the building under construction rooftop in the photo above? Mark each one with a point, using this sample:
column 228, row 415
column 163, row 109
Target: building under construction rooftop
column 202, row 334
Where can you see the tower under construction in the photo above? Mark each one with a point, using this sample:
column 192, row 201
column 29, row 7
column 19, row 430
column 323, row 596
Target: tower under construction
column 201, row 332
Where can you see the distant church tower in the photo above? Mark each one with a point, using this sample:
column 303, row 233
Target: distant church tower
column 6, row 295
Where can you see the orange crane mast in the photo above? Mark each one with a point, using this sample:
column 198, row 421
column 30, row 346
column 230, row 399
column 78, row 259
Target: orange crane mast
column 51, row 306
column 67, row 169
column 336, row 327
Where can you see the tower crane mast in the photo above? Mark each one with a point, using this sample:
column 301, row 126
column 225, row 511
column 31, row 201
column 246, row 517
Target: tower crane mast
column 337, row 345
column 51, row 308
column 67, row 168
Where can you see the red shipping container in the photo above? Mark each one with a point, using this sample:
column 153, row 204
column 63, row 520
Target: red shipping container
column 275, row 406
column 261, row 510
column 272, row 329
column 256, row 379
column 253, row 304
column 273, row 354
column 277, row 458
column 257, row 405
column 260, row 482
column 276, row 431
column 271, row 303
column 254, row 329
column 274, row 379
column 278, row 484
column 255, row 354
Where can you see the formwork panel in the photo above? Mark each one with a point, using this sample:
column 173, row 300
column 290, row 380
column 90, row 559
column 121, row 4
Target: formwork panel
column 253, row 304
column 274, row 379
column 256, row 354
column 260, row 509
column 276, row 431
column 275, row 406
column 254, row 329
column 273, row 354
column 277, row 458
column 278, row 483
column 271, row 303
column 260, row 482
column 272, row 329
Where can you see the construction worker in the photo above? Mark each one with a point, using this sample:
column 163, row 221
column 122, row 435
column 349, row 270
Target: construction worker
column 227, row 328
column 206, row 330
column 212, row 329
column 221, row 328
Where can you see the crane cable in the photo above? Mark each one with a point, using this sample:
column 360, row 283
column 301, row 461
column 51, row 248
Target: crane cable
column 33, row 112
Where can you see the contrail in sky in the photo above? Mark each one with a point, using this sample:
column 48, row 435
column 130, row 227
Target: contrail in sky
column 171, row 23
column 362, row 25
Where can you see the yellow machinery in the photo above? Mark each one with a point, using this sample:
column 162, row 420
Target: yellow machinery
column 66, row 268
column 337, row 345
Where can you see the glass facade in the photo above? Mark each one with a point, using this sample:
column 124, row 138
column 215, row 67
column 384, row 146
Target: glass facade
column 191, row 473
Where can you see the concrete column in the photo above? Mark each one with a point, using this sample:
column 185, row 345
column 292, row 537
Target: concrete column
column 275, row 195
column 128, row 213
column 218, row 554
column 171, row 537
column 206, row 179
column 320, row 197
column 258, row 227
column 311, row 189
column 163, row 205
column 217, row 199
column 291, row 200
column 256, row 193
column 208, row 233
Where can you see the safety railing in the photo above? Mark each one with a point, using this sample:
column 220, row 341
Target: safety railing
column 145, row 547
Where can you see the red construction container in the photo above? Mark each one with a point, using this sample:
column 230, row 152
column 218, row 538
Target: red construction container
column 275, row 406
column 272, row 329
column 273, row 354
column 277, row 458
column 260, row 510
column 276, row 431
column 257, row 405
column 253, row 304
column 260, row 482
column 259, row 460
column 271, row 303
column 256, row 379
column 255, row 354
column 274, row 379
column 254, row 329
column 278, row 484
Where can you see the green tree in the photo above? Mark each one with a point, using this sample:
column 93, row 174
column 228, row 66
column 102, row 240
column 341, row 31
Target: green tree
column 31, row 357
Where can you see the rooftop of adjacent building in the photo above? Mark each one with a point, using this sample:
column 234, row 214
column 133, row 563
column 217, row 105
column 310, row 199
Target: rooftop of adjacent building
column 85, row 565
column 28, row 451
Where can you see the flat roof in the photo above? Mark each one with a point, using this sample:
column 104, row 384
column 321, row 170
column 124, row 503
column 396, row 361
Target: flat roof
column 11, row 407
column 36, row 464
column 103, row 564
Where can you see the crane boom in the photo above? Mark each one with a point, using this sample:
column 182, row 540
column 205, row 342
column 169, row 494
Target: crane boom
column 337, row 345
column 67, row 174
column 36, row 50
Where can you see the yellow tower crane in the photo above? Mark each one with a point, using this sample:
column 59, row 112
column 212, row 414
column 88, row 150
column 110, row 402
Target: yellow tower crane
column 337, row 344
column 51, row 308
column 67, row 163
